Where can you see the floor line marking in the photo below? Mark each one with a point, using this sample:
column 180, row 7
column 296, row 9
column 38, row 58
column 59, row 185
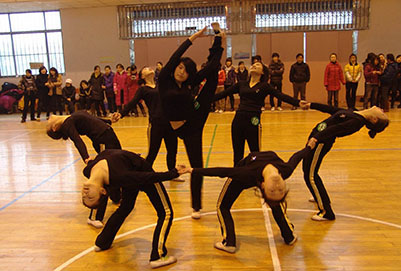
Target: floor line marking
column 270, row 236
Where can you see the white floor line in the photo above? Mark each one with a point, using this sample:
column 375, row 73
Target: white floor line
column 87, row 251
column 18, row 136
column 270, row 236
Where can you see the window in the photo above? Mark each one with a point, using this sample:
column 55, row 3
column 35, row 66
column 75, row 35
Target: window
column 29, row 40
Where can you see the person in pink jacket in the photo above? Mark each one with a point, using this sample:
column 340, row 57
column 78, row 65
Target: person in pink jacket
column 132, row 86
column 333, row 77
column 120, row 86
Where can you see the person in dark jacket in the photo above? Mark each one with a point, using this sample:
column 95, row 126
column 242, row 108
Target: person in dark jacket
column 396, row 95
column 264, row 170
column 299, row 77
column 43, row 93
column 85, row 102
column 230, row 79
column 276, row 70
column 54, row 83
column 387, row 81
column 188, row 114
column 241, row 72
column 159, row 67
column 97, row 87
column 341, row 123
column 131, row 173
column 28, row 85
column 69, row 92
column 371, row 71
column 109, row 84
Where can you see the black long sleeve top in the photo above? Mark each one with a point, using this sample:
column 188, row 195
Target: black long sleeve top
column 341, row 123
column 177, row 102
column 249, row 170
column 252, row 99
column 82, row 123
column 151, row 96
column 128, row 170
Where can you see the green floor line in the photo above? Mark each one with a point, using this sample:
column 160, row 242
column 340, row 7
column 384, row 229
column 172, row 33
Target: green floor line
column 211, row 146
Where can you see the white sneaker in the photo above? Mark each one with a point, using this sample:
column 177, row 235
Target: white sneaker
column 272, row 109
column 95, row 223
column 216, row 111
column 97, row 249
column 293, row 240
column 196, row 214
column 221, row 246
column 220, row 111
column 311, row 199
column 263, row 108
column 163, row 261
column 279, row 108
column 319, row 218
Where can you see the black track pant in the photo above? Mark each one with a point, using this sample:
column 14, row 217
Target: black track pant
column 245, row 127
column 191, row 132
column 310, row 166
column 43, row 104
column 350, row 95
column 29, row 103
column 157, row 131
column 108, row 140
column 230, row 192
column 332, row 94
column 279, row 87
column 99, row 104
column 159, row 198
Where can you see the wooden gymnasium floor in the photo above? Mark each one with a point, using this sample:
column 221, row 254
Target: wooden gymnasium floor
column 43, row 223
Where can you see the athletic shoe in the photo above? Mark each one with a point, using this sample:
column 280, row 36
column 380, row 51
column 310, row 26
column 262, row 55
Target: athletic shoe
column 178, row 180
column 263, row 108
column 272, row 109
column 311, row 199
column 97, row 249
column 220, row 111
column 279, row 108
column 163, row 261
column 38, row 119
column 221, row 246
column 196, row 214
column 293, row 240
column 319, row 217
column 33, row 119
column 23, row 121
column 95, row 223
column 216, row 111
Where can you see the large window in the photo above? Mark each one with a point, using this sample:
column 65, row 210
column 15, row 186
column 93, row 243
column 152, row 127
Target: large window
column 29, row 40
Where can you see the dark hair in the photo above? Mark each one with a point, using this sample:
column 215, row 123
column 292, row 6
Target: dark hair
column 351, row 55
column 55, row 70
column 98, row 203
column 275, row 55
column 140, row 80
column 257, row 57
column 333, row 54
column 120, row 66
column 133, row 67
column 241, row 62
column 229, row 59
column 83, row 81
column 381, row 54
column 97, row 66
column 42, row 68
column 108, row 66
column 398, row 56
column 159, row 62
column 375, row 128
column 190, row 68
column 55, row 135
column 390, row 57
column 30, row 71
column 370, row 58
column 299, row 54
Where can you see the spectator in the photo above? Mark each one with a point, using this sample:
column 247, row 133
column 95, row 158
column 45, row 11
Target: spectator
column 353, row 73
column 85, row 102
column 132, row 85
column 241, row 72
column 120, row 86
column 108, row 82
column 371, row 72
column 69, row 92
column 97, row 87
column 27, row 84
column 230, row 78
column 397, row 93
column 299, row 77
column 159, row 67
column 43, row 93
column 387, row 80
column 219, row 104
column 333, row 77
column 55, row 92
column 276, row 70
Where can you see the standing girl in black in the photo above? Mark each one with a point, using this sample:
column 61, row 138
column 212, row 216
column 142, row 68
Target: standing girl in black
column 84, row 96
column 43, row 90
column 159, row 127
column 54, row 84
column 246, row 124
column 97, row 87
column 102, row 136
column 178, row 80
column 265, row 170
column 341, row 123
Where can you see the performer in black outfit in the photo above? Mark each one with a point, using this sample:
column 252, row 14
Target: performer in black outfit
column 265, row 170
column 159, row 126
column 341, row 123
column 131, row 173
column 178, row 83
column 102, row 136
column 246, row 124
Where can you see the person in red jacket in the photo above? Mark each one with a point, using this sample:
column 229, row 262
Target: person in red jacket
column 120, row 86
column 333, row 77
column 220, row 87
column 132, row 85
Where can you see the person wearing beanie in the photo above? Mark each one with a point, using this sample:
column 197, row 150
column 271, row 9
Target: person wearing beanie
column 69, row 92
column 341, row 123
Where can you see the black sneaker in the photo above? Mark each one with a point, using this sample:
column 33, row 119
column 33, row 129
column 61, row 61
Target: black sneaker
column 23, row 121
